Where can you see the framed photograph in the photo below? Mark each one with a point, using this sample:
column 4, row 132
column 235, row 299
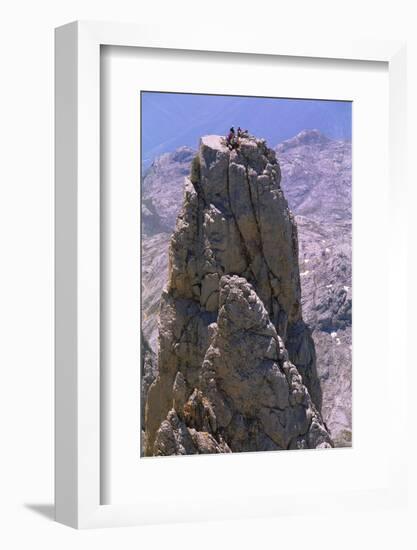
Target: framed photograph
column 227, row 224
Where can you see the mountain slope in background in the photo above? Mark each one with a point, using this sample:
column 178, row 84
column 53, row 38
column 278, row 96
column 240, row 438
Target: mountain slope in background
column 162, row 190
column 316, row 175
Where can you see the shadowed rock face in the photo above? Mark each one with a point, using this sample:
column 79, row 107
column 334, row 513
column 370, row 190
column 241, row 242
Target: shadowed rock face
column 148, row 372
column 236, row 361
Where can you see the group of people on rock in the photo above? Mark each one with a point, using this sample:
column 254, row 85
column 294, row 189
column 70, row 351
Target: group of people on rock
column 232, row 138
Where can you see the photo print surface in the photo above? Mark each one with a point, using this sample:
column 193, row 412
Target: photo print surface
column 246, row 292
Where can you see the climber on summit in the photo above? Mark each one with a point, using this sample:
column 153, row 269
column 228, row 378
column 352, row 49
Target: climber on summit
column 231, row 140
column 230, row 136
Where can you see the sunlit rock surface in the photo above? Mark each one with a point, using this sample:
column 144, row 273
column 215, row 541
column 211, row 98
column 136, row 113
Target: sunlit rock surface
column 237, row 368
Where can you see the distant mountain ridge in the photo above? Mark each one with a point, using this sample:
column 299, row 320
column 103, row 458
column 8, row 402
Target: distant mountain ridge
column 305, row 137
column 171, row 120
column 162, row 190
column 316, row 174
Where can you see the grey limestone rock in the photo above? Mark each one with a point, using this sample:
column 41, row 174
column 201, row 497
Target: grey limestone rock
column 236, row 361
column 316, row 182
column 148, row 373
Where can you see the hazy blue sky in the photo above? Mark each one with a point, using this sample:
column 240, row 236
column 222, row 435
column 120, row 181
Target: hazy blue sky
column 170, row 120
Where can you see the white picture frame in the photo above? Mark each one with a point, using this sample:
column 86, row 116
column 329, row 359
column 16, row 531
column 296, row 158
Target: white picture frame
column 77, row 242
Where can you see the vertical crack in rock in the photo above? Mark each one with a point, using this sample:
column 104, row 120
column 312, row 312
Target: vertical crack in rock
column 236, row 360
column 242, row 240
column 258, row 224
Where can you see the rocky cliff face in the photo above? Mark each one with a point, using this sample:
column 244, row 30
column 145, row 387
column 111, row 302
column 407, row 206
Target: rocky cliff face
column 315, row 179
column 148, row 372
column 237, row 369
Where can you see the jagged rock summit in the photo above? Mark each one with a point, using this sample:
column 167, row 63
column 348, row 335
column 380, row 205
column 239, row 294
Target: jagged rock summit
column 236, row 361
